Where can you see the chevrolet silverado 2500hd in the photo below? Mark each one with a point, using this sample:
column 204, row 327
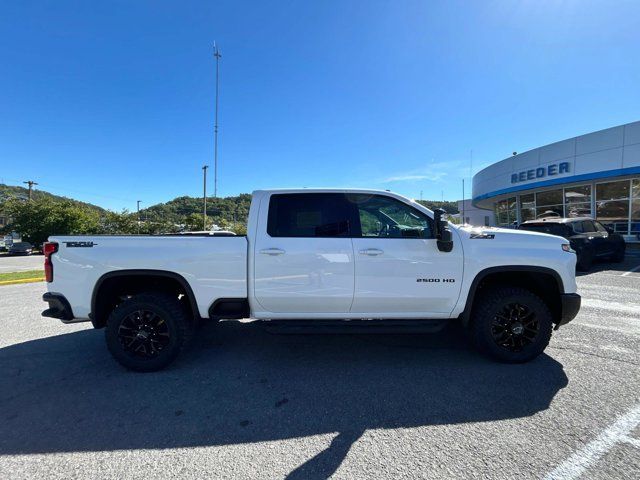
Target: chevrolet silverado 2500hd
column 354, row 257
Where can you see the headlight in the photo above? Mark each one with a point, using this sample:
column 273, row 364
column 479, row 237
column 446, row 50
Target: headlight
column 567, row 248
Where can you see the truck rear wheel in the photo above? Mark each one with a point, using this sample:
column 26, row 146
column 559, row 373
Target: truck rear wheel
column 146, row 332
column 511, row 324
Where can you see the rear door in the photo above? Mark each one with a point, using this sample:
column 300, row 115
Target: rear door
column 304, row 255
column 399, row 269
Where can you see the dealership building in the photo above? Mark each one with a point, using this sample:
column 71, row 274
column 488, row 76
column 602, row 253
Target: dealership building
column 595, row 175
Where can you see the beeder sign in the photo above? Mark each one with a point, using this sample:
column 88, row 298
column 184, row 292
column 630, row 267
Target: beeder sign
column 541, row 172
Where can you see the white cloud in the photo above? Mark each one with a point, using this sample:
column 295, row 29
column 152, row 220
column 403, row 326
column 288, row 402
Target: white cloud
column 413, row 177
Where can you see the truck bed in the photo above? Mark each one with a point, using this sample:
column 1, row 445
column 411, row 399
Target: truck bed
column 214, row 267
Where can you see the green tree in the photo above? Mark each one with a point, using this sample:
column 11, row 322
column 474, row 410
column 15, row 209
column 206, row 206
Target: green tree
column 193, row 222
column 114, row 223
column 38, row 219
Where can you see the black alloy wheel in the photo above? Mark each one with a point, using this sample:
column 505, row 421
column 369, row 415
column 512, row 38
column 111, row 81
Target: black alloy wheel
column 514, row 327
column 143, row 333
column 510, row 324
column 146, row 332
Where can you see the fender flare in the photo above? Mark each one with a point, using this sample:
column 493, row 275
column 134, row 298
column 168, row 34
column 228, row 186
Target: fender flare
column 141, row 273
column 482, row 274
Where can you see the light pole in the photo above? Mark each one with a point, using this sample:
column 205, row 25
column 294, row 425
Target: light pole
column 204, row 197
column 139, row 202
column 217, row 55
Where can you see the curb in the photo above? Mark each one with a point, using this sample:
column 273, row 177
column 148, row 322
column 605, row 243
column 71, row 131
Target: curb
column 22, row 280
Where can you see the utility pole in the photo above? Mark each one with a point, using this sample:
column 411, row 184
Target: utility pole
column 139, row 201
column 420, row 195
column 31, row 183
column 216, row 54
column 204, row 197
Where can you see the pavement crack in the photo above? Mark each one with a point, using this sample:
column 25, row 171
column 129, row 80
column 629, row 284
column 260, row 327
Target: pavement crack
column 603, row 357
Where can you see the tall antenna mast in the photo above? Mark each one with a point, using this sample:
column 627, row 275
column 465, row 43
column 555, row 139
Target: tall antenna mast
column 217, row 55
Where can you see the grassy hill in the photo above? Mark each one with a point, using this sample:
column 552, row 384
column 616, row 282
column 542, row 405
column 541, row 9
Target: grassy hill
column 221, row 211
column 10, row 191
column 229, row 209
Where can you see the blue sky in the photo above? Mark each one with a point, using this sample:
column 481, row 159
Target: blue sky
column 111, row 102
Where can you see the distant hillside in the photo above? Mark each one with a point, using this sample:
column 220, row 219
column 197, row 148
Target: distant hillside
column 9, row 191
column 222, row 211
column 229, row 209
column 449, row 207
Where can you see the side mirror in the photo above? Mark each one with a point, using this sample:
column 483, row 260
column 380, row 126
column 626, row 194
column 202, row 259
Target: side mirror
column 444, row 236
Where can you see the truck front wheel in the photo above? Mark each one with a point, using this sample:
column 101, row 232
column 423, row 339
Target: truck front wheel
column 146, row 332
column 511, row 324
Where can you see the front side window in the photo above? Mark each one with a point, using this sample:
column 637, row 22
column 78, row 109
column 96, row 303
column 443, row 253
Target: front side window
column 386, row 217
column 309, row 215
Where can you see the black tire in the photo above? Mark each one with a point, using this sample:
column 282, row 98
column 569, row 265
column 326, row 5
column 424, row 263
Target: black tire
column 158, row 326
column 585, row 259
column 618, row 254
column 511, row 341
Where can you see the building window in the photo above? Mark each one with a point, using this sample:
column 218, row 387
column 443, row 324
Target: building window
column 506, row 213
column 527, row 207
column 635, row 207
column 550, row 201
column 577, row 201
column 612, row 205
column 486, row 220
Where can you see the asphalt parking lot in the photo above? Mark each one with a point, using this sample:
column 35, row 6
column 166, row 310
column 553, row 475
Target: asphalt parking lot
column 243, row 403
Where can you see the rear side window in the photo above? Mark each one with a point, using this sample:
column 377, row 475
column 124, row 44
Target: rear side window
column 587, row 226
column 309, row 215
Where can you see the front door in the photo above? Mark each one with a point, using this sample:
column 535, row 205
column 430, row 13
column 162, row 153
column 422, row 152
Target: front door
column 398, row 267
column 304, row 255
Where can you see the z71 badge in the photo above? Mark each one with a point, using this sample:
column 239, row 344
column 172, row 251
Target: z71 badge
column 482, row 236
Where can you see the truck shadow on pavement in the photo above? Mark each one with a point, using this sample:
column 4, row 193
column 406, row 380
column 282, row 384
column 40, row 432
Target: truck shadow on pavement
column 239, row 384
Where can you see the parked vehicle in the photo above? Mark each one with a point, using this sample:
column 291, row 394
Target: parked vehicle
column 349, row 258
column 20, row 248
column 588, row 238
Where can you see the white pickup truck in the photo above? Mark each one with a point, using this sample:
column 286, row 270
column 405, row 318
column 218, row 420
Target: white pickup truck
column 317, row 257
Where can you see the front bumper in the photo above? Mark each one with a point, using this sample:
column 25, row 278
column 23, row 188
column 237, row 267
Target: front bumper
column 569, row 306
column 58, row 307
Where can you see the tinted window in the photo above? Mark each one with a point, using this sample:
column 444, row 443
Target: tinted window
column 587, row 226
column 386, row 217
column 577, row 227
column 308, row 215
column 550, row 228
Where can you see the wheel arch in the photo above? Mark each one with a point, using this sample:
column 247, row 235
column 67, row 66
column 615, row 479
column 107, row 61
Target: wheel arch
column 543, row 281
column 119, row 282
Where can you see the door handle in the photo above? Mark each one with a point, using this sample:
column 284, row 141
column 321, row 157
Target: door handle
column 372, row 252
column 272, row 251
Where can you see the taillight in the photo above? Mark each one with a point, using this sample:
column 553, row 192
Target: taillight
column 49, row 248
